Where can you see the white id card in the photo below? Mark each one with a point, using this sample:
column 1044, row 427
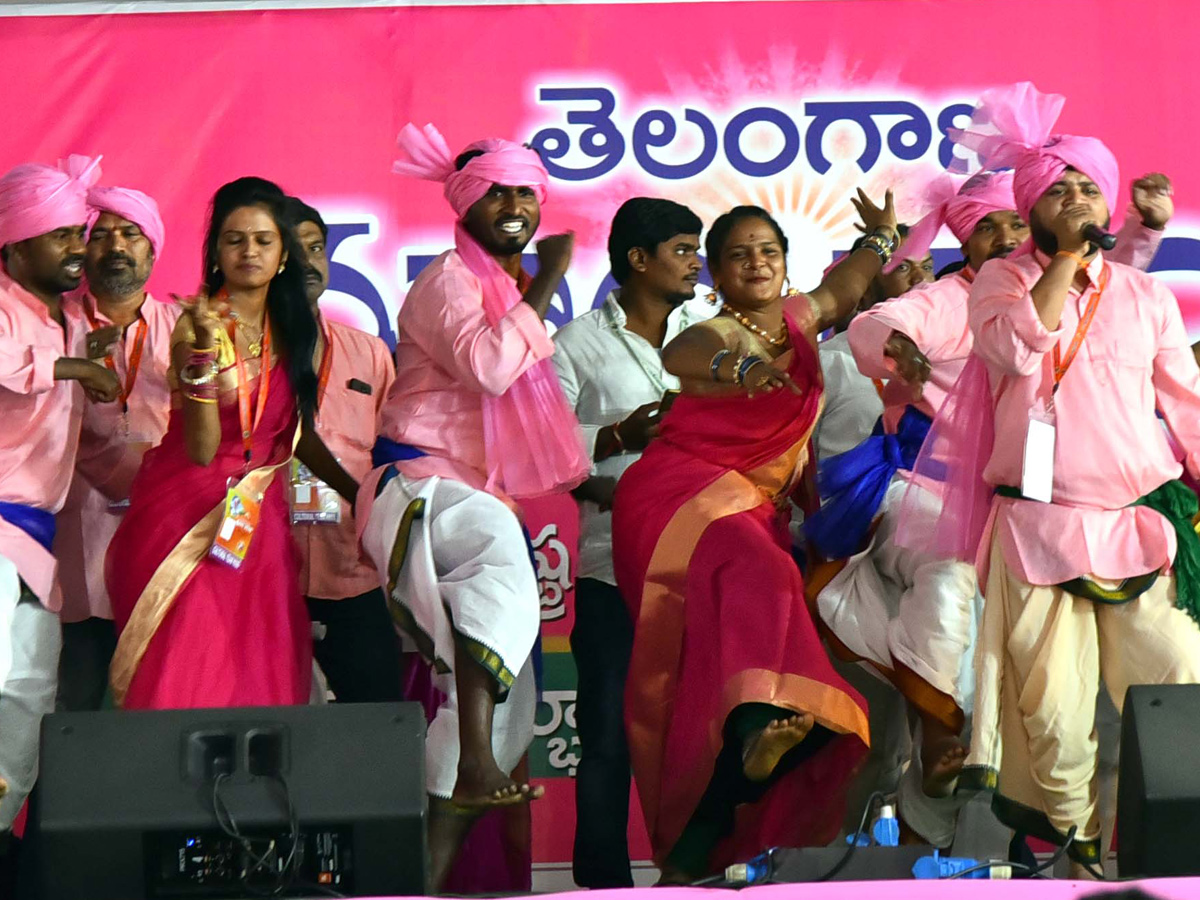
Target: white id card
column 1037, row 470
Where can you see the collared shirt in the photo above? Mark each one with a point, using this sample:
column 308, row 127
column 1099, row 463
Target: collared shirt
column 41, row 419
column 934, row 317
column 1110, row 448
column 347, row 421
column 852, row 402
column 447, row 357
column 111, row 446
column 607, row 372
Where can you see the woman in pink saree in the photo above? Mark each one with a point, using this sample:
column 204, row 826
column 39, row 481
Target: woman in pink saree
column 741, row 734
column 205, row 591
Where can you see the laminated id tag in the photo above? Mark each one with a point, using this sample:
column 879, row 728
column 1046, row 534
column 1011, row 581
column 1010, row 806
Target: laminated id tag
column 232, row 542
column 1037, row 469
column 313, row 501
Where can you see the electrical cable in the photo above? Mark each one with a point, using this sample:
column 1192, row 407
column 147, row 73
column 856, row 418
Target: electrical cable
column 862, row 824
column 1029, row 871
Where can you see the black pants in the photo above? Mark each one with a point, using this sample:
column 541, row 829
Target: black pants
column 87, row 651
column 360, row 652
column 601, row 642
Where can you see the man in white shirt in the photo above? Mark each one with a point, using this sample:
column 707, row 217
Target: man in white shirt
column 609, row 362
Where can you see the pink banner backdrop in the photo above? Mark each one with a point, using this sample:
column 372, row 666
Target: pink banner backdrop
column 788, row 105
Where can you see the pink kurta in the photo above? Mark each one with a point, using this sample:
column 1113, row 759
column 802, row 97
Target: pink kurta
column 934, row 317
column 109, row 457
column 41, row 417
column 348, row 422
column 1111, row 449
column 447, row 358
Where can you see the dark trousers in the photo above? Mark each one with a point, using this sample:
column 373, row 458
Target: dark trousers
column 87, row 650
column 601, row 642
column 360, row 652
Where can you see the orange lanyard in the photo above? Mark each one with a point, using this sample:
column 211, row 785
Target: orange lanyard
column 326, row 365
column 1085, row 322
column 135, row 357
column 243, row 386
column 967, row 274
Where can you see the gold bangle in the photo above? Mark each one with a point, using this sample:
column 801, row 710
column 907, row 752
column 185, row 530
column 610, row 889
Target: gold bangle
column 210, row 374
column 196, row 399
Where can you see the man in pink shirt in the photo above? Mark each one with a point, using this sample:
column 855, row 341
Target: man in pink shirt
column 130, row 332
column 910, row 611
column 356, row 644
column 1090, row 524
column 476, row 419
column 43, row 220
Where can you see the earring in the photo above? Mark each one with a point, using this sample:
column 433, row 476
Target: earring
column 712, row 298
column 216, row 268
column 789, row 290
column 280, row 272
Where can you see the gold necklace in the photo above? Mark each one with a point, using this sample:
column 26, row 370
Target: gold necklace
column 745, row 322
column 253, row 345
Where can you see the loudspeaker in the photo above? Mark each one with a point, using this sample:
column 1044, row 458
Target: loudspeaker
column 1158, row 794
column 324, row 799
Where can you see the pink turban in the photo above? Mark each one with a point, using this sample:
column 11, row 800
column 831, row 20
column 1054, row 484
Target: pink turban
column 502, row 162
column 959, row 208
column 133, row 206
column 36, row 199
column 1011, row 129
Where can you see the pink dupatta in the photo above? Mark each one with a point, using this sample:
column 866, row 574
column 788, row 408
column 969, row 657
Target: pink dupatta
column 532, row 440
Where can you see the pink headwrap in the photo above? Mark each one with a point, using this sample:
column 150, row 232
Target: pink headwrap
column 36, row 199
column 133, row 206
column 532, row 440
column 959, row 208
column 1011, row 128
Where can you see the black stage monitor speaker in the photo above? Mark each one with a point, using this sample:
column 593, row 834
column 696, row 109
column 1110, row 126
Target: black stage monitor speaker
column 306, row 800
column 1158, row 794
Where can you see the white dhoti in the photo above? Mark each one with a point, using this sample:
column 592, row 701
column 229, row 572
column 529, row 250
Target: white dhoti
column 1043, row 654
column 911, row 613
column 30, row 643
column 455, row 564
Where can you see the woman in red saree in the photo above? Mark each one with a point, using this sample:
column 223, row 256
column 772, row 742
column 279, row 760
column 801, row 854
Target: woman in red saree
column 206, row 615
column 741, row 734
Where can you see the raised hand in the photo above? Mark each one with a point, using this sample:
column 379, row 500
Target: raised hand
column 1152, row 200
column 204, row 319
column 872, row 216
column 554, row 252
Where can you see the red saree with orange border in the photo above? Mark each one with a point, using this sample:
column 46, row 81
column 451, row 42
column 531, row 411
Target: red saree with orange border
column 703, row 559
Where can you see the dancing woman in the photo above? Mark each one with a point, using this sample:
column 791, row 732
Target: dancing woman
column 203, row 570
column 741, row 734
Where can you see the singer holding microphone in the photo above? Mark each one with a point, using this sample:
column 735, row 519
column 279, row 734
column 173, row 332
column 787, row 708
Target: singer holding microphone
column 1089, row 564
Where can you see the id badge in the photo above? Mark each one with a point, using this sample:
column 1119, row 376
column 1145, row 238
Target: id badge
column 313, row 501
column 1037, row 469
column 238, row 524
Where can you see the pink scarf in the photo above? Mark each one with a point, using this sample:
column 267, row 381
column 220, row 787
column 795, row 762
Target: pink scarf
column 532, row 439
column 133, row 206
column 36, row 199
column 960, row 209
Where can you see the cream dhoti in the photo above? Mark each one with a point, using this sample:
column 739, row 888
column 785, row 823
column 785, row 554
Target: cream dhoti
column 456, row 566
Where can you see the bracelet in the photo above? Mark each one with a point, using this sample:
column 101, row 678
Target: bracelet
column 206, row 352
column 888, row 234
column 718, row 358
column 616, row 433
column 209, row 376
column 745, row 364
column 878, row 245
column 1080, row 262
column 202, row 393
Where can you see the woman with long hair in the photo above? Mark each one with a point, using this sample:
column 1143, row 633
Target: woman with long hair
column 741, row 734
column 203, row 572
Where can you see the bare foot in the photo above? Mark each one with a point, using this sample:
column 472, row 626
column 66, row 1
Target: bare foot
column 482, row 787
column 765, row 748
column 942, row 762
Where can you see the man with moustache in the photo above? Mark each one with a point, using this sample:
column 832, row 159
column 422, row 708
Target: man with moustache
column 908, row 612
column 356, row 644
column 1089, row 559
column 609, row 362
column 43, row 221
column 475, row 421
column 130, row 334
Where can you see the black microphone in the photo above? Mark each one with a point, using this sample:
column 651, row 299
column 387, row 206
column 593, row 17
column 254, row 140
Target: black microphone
column 1099, row 236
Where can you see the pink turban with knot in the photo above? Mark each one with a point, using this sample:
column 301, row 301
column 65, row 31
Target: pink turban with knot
column 958, row 208
column 1011, row 129
column 502, row 162
column 36, row 199
column 133, row 206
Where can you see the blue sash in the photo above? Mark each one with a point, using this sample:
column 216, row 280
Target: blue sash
column 853, row 484
column 385, row 452
column 37, row 523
